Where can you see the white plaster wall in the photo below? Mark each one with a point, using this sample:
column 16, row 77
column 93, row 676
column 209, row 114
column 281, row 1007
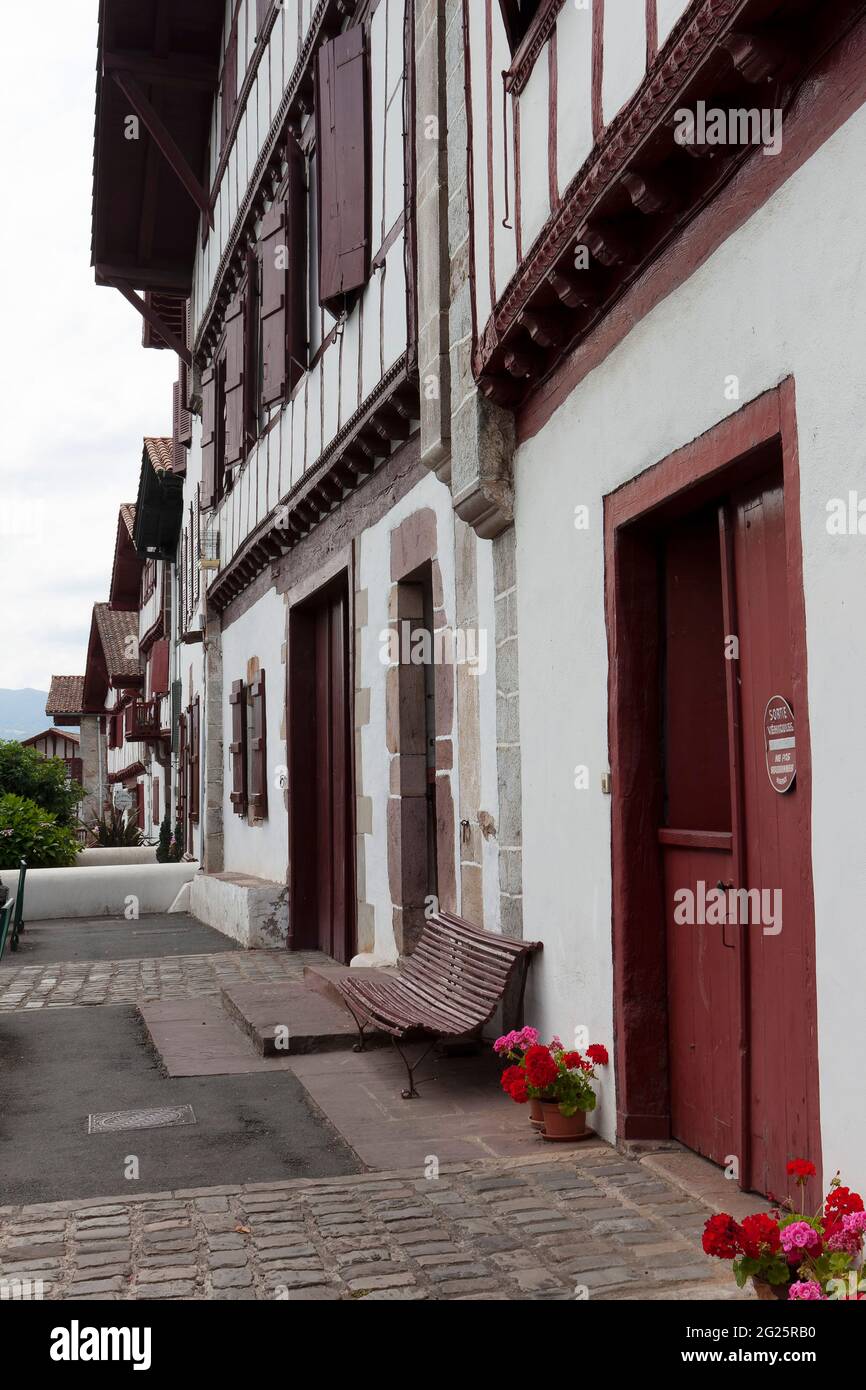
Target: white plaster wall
column 375, row 577
column 261, row 850
column 102, row 890
column 784, row 295
column 624, row 53
column 534, row 170
column 574, row 91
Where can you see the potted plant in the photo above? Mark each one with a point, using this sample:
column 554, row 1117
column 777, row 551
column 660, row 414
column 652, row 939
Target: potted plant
column 557, row 1080
column 790, row 1255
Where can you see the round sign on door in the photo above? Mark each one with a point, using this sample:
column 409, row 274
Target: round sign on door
column 780, row 743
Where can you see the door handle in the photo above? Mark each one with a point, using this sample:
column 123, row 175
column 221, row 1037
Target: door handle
column 725, row 888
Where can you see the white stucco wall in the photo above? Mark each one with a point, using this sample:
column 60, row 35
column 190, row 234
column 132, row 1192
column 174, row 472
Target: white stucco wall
column 784, row 295
column 262, row 849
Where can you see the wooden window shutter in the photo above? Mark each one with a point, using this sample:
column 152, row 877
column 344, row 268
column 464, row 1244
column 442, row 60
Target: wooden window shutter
column 159, row 668
column 194, row 751
column 208, row 437
column 238, row 748
column 154, row 810
column 262, row 11
column 235, row 378
column 258, row 749
column 342, row 133
column 182, row 770
column 283, row 257
column 139, row 804
column 229, row 86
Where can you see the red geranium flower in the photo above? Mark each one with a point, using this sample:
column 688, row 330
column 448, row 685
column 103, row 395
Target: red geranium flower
column 841, row 1201
column 509, row 1077
column 723, row 1237
column 760, row 1233
column 541, row 1070
column 518, row 1092
column 597, row 1054
column 801, row 1168
column 572, row 1060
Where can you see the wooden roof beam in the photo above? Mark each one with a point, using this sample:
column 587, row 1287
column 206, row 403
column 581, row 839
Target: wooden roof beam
column 165, row 141
column 156, row 322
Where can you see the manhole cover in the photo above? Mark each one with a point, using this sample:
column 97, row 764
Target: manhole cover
column 159, row 1118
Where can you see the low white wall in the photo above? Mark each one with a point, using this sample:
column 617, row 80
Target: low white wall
column 111, row 890
column 130, row 854
column 250, row 910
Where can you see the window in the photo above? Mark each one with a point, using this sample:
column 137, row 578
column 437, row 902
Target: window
column 518, row 15
column 343, row 149
column 148, row 580
column 248, row 749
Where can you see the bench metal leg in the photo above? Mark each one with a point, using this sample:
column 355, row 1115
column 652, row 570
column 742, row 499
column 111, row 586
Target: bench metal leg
column 412, row 1092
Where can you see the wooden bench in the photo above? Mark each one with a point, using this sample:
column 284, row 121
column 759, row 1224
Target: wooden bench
column 449, row 987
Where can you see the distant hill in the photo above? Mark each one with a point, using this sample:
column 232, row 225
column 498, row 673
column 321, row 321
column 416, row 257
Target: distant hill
column 22, row 713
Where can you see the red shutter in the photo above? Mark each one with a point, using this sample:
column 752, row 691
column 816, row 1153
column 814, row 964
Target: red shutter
column 258, row 749
column 235, row 378
column 342, row 131
column 229, row 86
column 283, row 256
column 139, row 804
column 182, row 774
column 208, row 437
column 159, row 668
column 238, row 748
column 194, row 750
column 155, row 802
column 262, row 10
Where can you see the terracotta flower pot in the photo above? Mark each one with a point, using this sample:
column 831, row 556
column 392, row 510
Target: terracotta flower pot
column 536, row 1117
column 559, row 1128
column 769, row 1292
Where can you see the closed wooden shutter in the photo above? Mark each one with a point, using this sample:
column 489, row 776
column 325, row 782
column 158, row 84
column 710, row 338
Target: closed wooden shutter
column 229, row 86
column 258, row 749
column 208, row 437
column 159, row 668
column 235, row 378
column 139, row 805
column 194, row 751
column 283, row 259
column 154, row 810
column 342, row 132
column 182, row 773
column 238, row 748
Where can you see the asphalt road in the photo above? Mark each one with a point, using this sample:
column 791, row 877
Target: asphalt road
column 111, row 938
column 57, row 1066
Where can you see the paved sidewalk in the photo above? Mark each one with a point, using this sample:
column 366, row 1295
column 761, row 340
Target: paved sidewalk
column 595, row 1225
column 133, row 981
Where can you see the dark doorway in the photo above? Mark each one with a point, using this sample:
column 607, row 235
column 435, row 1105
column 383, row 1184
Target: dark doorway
column 320, row 782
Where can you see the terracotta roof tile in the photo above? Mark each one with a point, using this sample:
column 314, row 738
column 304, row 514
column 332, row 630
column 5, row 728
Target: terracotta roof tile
column 161, row 454
column 118, row 633
column 66, row 695
column 127, row 511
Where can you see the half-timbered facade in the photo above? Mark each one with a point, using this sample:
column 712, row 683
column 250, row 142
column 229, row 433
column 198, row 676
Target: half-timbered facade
column 264, row 227
column 88, row 761
column 648, row 322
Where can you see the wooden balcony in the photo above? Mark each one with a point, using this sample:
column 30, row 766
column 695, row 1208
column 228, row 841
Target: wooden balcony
column 141, row 722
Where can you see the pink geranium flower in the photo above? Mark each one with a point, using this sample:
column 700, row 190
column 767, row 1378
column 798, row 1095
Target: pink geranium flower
column 807, row 1290
column 800, row 1239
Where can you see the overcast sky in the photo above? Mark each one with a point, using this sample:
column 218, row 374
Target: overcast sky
column 78, row 391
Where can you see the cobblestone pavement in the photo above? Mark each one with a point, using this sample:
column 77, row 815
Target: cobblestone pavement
column 593, row 1225
column 134, row 981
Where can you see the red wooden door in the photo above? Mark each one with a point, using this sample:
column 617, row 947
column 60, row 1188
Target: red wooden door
column 743, row 1054
column 780, row 1016
column 697, row 842
column 320, row 778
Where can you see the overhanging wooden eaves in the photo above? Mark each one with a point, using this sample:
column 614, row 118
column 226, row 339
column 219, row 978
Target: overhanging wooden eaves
column 157, row 63
column 639, row 188
column 158, row 513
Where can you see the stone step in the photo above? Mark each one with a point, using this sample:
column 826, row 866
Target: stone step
column 289, row 1018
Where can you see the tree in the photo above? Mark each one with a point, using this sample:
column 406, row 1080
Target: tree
column 26, row 773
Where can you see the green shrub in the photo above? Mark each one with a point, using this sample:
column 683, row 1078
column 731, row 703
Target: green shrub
column 117, row 830
column 27, row 831
column 26, row 773
column 170, row 847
